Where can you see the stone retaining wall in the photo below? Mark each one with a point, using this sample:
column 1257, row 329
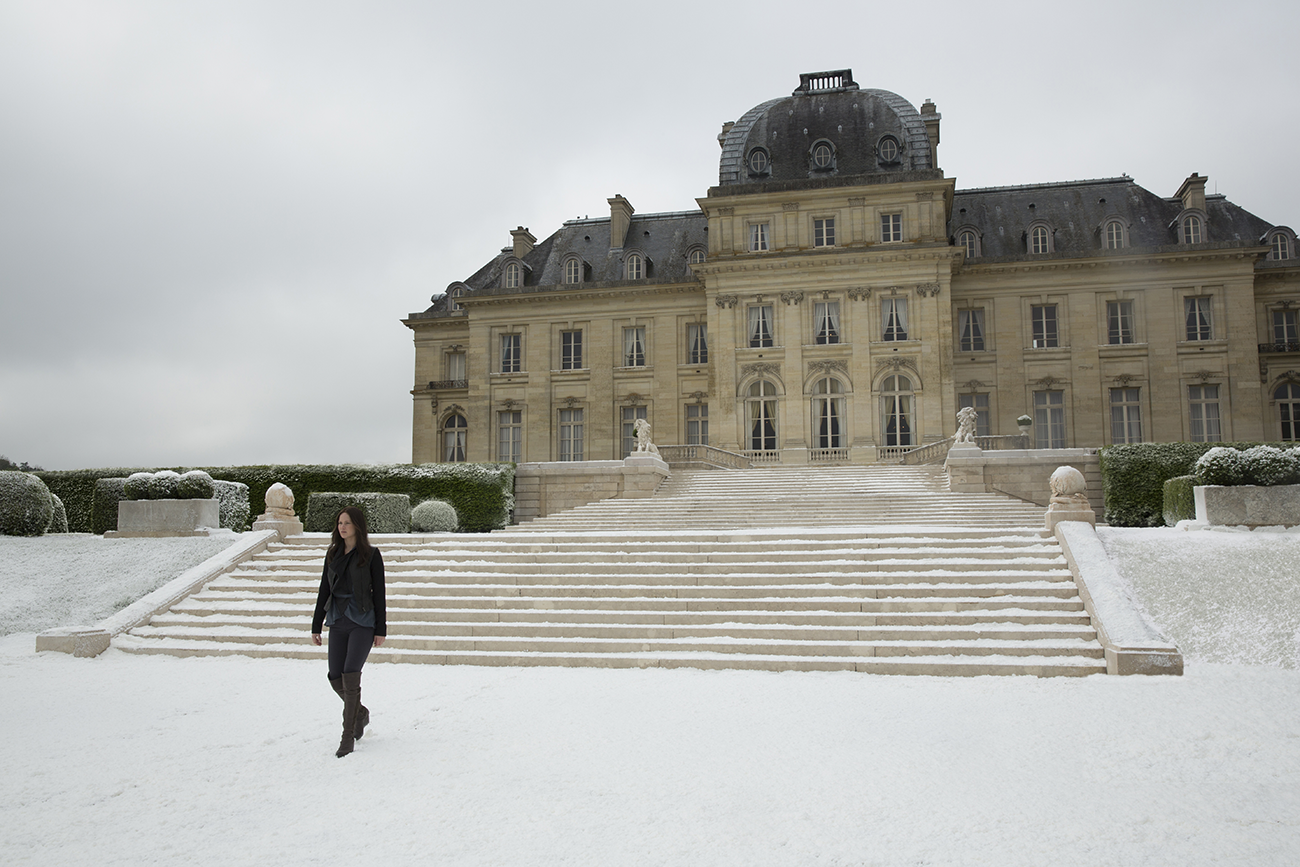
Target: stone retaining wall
column 1023, row 473
column 543, row 489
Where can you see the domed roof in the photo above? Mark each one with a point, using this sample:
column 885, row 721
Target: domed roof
column 827, row 127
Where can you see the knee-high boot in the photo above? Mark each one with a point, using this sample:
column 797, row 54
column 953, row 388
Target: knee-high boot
column 363, row 713
column 351, row 707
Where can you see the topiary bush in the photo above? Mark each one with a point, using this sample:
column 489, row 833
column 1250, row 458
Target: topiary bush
column 1221, row 466
column 137, row 486
column 108, row 493
column 385, row 513
column 59, row 523
column 1180, row 500
column 195, row 485
column 163, row 485
column 1269, row 465
column 26, row 505
column 232, row 504
column 434, row 516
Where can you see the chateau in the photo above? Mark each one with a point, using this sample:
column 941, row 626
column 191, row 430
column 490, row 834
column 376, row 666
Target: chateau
column 835, row 298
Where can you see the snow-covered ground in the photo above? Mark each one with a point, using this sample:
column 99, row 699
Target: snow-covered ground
column 229, row 761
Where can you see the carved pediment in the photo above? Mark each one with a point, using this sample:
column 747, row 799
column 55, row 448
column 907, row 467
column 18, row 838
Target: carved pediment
column 760, row 368
column 726, row 301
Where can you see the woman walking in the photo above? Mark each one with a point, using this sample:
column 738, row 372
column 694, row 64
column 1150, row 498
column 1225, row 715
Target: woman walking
column 351, row 604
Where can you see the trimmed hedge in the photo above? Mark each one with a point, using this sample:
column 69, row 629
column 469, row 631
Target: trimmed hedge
column 1133, row 477
column 167, row 485
column 232, row 505
column 59, row 523
column 434, row 516
column 26, row 505
column 108, row 493
column 482, row 494
column 1180, row 502
column 385, row 513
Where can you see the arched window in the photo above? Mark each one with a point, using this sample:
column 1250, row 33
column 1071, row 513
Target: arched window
column 514, row 275
column 1281, row 246
column 1114, row 235
column 452, row 294
column 1191, row 229
column 896, row 404
column 828, row 413
column 1038, row 240
column 453, row 437
column 1287, row 397
column 967, row 240
column 760, row 416
column 573, row 270
column 696, row 256
column 634, row 267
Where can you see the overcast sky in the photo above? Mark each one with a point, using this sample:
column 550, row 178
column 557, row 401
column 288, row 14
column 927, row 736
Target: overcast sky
column 213, row 216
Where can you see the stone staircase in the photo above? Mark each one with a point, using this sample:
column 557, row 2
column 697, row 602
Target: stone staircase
column 874, row 569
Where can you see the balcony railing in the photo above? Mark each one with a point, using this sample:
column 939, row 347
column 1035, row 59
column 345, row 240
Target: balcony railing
column 1279, row 347
column 708, row 456
column 763, row 456
column 828, row 456
column 448, row 383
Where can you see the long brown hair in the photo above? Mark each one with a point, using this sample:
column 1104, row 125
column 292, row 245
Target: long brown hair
column 337, row 545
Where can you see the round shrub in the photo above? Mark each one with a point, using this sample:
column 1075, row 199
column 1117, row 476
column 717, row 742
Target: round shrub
column 434, row 516
column 137, row 486
column 194, row 485
column 58, row 523
column 1269, row 465
column 26, row 505
column 163, row 485
column 1220, row 466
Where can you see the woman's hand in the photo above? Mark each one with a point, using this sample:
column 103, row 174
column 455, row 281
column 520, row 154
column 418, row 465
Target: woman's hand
column 379, row 640
column 315, row 638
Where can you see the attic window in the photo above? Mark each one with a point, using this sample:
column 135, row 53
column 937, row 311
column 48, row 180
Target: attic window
column 514, row 275
column 887, row 149
column 634, row 267
column 758, row 162
column 573, row 270
column 1192, row 229
column 1281, row 247
column 823, row 157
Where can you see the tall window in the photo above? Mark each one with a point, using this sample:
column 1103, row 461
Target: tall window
column 1199, row 324
column 634, row 346
column 760, row 325
column 826, row 321
column 1284, row 326
column 697, row 424
column 757, row 237
column 760, row 416
column 1191, row 229
column 893, row 312
column 1114, row 235
column 1125, row 415
column 511, row 358
column 980, row 403
column 697, row 343
column 828, row 413
column 456, row 366
column 891, row 227
column 1287, row 397
column 1119, row 322
column 896, row 403
column 824, row 232
column 1043, row 318
column 1203, row 406
column 510, row 436
column 453, row 437
column 452, row 303
column 629, row 416
column 570, row 434
column 1038, row 240
column 967, row 240
column 970, row 327
column 570, row 350
column 1281, row 246
column 1049, row 419
column 514, row 275
column 573, row 270
column 635, row 267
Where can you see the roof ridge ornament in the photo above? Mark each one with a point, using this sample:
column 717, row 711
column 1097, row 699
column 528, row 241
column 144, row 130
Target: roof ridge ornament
column 825, row 82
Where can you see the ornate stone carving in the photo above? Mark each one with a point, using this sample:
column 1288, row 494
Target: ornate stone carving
column 927, row 290
column 1125, row 378
column 1046, row 382
column 896, row 363
column 972, row 385
column 792, row 297
column 641, row 430
column 831, row 365
column 859, row 293
column 925, row 196
column 726, row 212
column 633, row 399
column 698, row 396
column 571, row 402
column 726, row 301
column 759, row 368
column 1206, row 375
column 1263, row 371
column 789, row 206
column 1068, row 486
column 857, row 201
column 510, row 403
column 966, row 418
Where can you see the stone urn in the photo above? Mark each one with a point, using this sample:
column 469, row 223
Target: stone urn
column 1023, row 423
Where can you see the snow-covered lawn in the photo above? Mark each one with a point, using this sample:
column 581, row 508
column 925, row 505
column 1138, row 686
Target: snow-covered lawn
column 138, row 760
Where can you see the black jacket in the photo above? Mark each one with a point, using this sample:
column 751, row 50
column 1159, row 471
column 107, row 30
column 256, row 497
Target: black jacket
column 367, row 581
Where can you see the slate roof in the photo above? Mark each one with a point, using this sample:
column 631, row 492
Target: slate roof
column 1077, row 211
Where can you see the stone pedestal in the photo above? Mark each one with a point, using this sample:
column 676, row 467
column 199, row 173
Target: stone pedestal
column 1248, row 505
column 166, row 518
column 279, row 515
column 1058, row 512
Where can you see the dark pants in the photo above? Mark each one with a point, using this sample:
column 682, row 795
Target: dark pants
column 349, row 646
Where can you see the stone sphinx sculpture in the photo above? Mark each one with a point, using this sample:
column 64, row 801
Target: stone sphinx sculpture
column 966, row 417
column 641, row 430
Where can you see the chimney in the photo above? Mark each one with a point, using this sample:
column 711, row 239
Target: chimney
column 524, row 242
column 930, row 117
column 620, row 217
column 1192, row 192
column 726, row 128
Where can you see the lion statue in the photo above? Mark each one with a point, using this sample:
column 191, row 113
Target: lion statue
column 966, row 417
column 641, row 430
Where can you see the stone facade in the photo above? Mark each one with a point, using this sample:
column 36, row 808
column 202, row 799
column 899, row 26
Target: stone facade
column 837, row 298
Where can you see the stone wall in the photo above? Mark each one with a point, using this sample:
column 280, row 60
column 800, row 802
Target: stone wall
column 543, row 489
column 1023, row 473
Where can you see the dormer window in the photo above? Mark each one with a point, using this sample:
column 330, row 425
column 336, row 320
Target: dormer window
column 634, row 267
column 887, row 150
column 823, row 156
column 968, row 240
column 574, row 270
column 514, row 275
column 1040, row 240
column 1112, row 235
column 759, row 163
column 696, row 256
column 1281, row 245
column 1191, row 229
column 452, row 294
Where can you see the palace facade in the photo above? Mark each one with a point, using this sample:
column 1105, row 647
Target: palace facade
column 836, row 298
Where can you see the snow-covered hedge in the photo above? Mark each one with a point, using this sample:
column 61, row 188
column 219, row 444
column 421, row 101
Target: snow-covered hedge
column 385, row 513
column 108, row 493
column 1221, row 466
column 59, row 523
column 482, row 494
column 232, row 499
column 1258, row 465
column 1180, row 501
column 169, row 485
column 434, row 516
column 26, row 505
